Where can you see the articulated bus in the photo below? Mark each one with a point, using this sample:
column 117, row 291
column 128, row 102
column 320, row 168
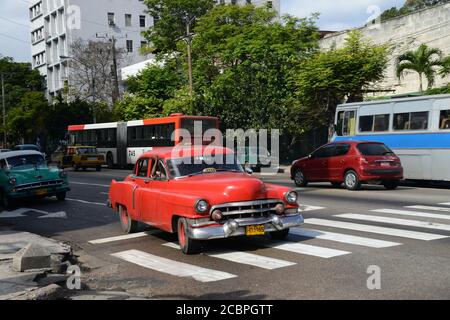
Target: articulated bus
column 416, row 129
column 124, row 142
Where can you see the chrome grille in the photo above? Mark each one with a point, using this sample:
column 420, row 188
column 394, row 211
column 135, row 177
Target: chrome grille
column 248, row 209
column 39, row 184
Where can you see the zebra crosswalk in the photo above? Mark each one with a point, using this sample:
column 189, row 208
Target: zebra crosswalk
column 337, row 229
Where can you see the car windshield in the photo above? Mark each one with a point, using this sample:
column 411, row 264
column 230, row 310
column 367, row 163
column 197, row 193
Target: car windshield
column 27, row 147
column 374, row 149
column 87, row 150
column 191, row 166
column 34, row 160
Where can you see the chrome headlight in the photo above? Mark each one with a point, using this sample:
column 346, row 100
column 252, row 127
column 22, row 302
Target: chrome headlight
column 291, row 197
column 63, row 174
column 201, row 206
column 13, row 181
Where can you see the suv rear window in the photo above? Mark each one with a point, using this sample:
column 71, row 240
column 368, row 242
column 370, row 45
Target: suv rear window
column 373, row 149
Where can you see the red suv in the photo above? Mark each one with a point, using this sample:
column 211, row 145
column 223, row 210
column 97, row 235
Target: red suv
column 350, row 162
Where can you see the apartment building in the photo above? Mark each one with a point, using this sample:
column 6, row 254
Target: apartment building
column 55, row 24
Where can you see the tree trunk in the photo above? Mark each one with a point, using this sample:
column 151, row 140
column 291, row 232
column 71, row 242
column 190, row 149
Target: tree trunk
column 421, row 83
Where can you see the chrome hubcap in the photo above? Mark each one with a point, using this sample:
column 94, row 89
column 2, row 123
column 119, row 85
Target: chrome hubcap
column 350, row 180
column 299, row 177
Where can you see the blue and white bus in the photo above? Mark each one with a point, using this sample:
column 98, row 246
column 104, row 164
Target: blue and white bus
column 416, row 129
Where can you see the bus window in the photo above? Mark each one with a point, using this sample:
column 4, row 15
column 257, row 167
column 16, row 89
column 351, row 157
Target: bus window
column 374, row 123
column 411, row 121
column 444, row 120
column 189, row 123
column 339, row 123
column 349, row 127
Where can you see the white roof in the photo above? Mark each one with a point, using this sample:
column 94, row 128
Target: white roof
column 10, row 154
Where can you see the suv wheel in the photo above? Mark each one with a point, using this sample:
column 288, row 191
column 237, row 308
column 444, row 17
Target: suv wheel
column 299, row 179
column 351, row 180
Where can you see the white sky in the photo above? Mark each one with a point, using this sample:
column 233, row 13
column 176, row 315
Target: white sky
column 335, row 15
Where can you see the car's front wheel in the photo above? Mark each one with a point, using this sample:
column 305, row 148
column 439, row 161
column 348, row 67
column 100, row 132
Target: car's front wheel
column 187, row 244
column 300, row 179
column 351, row 180
column 98, row 168
column 128, row 225
column 7, row 202
column 279, row 235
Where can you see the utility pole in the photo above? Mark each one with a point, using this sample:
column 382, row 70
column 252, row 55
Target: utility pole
column 4, row 110
column 93, row 100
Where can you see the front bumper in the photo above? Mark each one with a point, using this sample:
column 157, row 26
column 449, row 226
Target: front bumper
column 237, row 227
column 39, row 192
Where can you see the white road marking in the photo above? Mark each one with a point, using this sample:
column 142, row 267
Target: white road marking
column 374, row 229
column 304, row 208
column 172, row 267
column 244, row 258
column 307, row 249
column 414, row 213
column 442, row 209
column 445, row 204
column 123, row 237
column 403, row 222
column 86, row 202
column 90, row 184
column 344, row 238
column 20, row 212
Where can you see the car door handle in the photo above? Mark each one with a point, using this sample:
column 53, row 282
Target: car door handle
column 324, row 162
column 342, row 161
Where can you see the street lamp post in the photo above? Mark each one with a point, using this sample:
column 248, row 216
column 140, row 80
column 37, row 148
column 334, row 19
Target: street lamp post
column 4, row 110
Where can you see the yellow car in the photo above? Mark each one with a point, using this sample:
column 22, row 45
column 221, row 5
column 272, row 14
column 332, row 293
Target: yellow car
column 79, row 157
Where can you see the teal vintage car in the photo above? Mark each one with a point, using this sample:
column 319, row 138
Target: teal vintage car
column 25, row 174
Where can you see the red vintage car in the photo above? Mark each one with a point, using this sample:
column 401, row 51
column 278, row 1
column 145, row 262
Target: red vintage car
column 187, row 190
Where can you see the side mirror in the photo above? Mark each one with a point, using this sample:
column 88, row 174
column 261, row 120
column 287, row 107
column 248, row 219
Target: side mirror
column 248, row 170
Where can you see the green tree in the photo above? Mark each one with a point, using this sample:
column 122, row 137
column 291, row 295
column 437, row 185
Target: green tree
column 445, row 63
column 424, row 61
column 338, row 75
column 242, row 55
column 172, row 17
column 148, row 91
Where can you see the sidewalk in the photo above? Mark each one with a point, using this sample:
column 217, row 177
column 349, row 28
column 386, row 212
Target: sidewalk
column 23, row 249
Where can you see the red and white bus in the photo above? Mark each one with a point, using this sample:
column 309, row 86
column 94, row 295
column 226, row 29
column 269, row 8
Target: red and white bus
column 123, row 142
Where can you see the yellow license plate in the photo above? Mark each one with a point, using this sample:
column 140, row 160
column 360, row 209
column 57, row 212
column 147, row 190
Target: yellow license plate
column 41, row 192
column 255, row 230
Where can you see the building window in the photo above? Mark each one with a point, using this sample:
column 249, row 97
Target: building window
column 142, row 21
column 111, row 19
column 127, row 20
column 129, row 45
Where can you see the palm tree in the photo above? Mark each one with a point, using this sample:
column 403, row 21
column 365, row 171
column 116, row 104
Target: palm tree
column 423, row 61
column 445, row 71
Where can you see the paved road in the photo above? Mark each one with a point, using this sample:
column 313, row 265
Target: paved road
column 404, row 234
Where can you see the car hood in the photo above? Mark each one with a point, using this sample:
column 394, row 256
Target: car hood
column 219, row 188
column 33, row 174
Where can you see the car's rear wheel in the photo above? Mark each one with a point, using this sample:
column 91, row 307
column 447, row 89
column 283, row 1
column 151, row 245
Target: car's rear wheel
column 279, row 235
column 128, row 225
column 300, row 179
column 75, row 167
column 351, row 180
column 61, row 196
column 109, row 160
column 391, row 185
column 187, row 244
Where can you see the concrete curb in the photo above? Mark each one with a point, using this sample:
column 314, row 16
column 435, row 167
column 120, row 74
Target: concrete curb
column 50, row 292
